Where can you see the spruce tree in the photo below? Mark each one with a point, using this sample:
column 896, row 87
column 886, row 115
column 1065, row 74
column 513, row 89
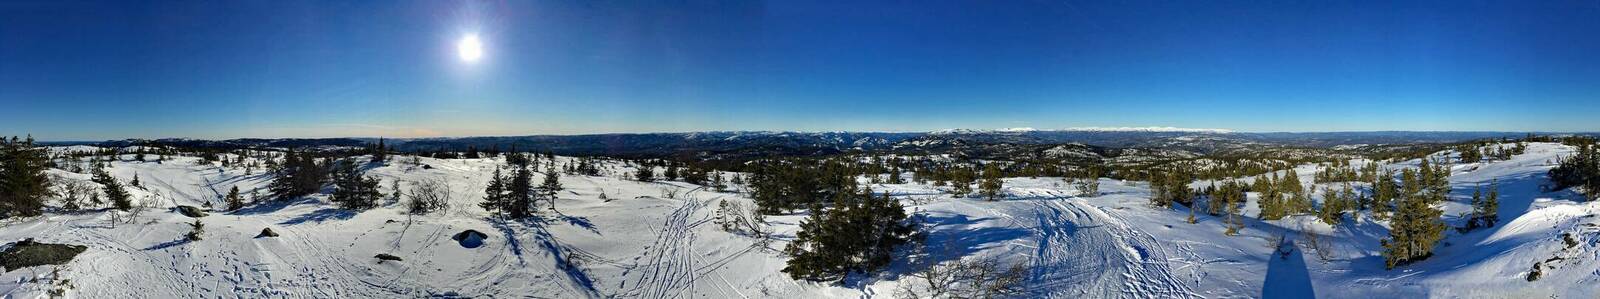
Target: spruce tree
column 1415, row 227
column 894, row 176
column 233, row 199
column 1159, row 196
column 23, row 184
column 352, row 190
column 298, row 175
column 380, row 153
column 1384, row 192
column 1485, row 212
column 858, row 234
column 120, row 199
column 551, row 186
column 644, row 174
column 519, row 194
column 991, row 185
column 961, row 180
column 494, row 198
column 671, row 174
column 1233, row 197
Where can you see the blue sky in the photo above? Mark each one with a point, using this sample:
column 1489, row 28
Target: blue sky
column 127, row 69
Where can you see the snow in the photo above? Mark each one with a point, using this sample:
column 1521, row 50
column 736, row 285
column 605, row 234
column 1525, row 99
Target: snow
column 639, row 243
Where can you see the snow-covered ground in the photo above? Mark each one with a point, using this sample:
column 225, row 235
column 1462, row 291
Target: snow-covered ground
column 638, row 243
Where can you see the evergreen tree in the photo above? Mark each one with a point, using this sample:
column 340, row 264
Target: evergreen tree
column 1232, row 197
column 1384, row 192
column 352, row 190
column 961, row 180
column 858, row 234
column 1415, row 227
column 1581, row 170
column 1485, row 212
column 380, row 153
column 644, row 174
column 233, row 199
column 135, row 182
column 519, row 194
column 671, row 173
column 494, row 198
column 551, row 186
column 990, row 188
column 298, row 175
column 1297, row 201
column 1159, row 196
column 1334, row 204
column 1089, row 184
column 1470, row 154
column 1271, row 202
column 120, row 199
column 23, row 184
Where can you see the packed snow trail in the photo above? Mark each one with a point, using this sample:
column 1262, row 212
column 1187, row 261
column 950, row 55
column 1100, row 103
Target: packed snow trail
column 1081, row 250
column 668, row 265
column 1075, row 250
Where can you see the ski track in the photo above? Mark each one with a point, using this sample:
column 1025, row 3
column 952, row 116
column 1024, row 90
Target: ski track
column 667, row 268
column 1080, row 250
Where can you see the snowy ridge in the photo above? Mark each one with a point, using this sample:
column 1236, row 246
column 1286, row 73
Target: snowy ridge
column 636, row 242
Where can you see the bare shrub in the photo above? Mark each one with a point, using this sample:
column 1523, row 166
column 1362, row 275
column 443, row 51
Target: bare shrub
column 736, row 217
column 985, row 277
column 429, row 196
column 74, row 193
column 1316, row 244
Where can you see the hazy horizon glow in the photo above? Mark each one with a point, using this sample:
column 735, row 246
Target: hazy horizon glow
column 119, row 69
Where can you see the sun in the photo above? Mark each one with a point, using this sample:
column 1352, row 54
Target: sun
column 470, row 48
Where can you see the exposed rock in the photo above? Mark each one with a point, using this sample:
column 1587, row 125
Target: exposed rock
column 386, row 257
column 28, row 253
column 191, row 211
column 267, row 233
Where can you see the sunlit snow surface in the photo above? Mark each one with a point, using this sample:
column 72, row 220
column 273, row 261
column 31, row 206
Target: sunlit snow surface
column 640, row 244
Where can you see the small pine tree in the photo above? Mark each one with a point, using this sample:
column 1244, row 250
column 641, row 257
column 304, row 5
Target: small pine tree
column 671, row 174
column 135, row 182
column 551, row 186
column 961, row 180
column 196, row 229
column 234, row 200
column 990, row 187
column 23, row 183
column 494, row 198
column 352, row 190
column 380, row 153
column 1384, row 192
column 120, row 199
column 1233, row 198
column 644, row 174
column 1414, row 230
column 519, row 194
column 1485, row 212
column 858, row 234
column 1089, row 184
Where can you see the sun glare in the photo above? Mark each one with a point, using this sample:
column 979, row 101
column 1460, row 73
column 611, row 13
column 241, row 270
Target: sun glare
column 470, row 48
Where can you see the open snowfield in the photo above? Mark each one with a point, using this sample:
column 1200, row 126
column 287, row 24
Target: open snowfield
column 637, row 243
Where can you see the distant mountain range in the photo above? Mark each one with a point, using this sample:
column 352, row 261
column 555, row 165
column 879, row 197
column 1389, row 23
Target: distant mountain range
column 737, row 144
